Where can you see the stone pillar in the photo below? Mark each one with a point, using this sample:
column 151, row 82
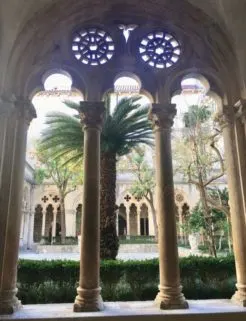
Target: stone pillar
column 241, row 148
column 117, row 222
column 181, row 232
column 43, row 221
column 31, row 220
column 15, row 116
column 138, row 222
column 227, row 122
column 170, row 291
column 128, row 223
column 54, row 225
column 89, row 297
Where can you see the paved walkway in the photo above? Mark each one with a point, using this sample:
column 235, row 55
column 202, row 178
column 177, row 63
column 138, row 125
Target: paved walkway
column 75, row 256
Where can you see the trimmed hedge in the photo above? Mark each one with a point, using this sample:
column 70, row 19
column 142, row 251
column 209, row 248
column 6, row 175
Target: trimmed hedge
column 56, row 281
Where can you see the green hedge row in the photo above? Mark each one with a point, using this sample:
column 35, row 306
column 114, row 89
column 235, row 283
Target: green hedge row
column 56, row 281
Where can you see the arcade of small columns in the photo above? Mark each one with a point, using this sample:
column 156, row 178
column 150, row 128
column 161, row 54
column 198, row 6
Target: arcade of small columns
column 15, row 117
column 132, row 217
column 46, row 220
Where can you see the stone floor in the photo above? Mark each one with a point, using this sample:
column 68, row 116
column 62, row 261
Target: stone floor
column 29, row 255
column 212, row 310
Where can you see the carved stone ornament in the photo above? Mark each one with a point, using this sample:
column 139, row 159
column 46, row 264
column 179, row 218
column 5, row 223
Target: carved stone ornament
column 7, row 106
column 241, row 110
column 19, row 106
column 226, row 117
column 92, row 113
column 162, row 115
column 25, row 109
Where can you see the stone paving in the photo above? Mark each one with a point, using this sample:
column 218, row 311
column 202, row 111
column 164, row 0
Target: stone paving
column 29, row 255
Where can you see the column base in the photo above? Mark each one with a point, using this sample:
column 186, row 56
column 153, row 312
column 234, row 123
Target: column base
column 170, row 298
column 88, row 300
column 239, row 297
column 9, row 303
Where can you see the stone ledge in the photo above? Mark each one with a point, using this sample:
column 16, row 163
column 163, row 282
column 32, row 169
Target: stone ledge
column 207, row 310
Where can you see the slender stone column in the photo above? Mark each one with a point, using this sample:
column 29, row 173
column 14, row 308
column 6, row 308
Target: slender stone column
column 181, row 232
column 54, row 225
column 117, row 222
column 43, row 222
column 170, row 291
column 15, row 116
column 128, row 223
column 89, row 297
column 227, row 122
column 241, row 148
column 138, row 222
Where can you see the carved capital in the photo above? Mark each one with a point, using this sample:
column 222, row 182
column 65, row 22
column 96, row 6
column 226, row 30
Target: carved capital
column 226, row 117
column 91, row 114
column 240, row 108
column 25, row 109
column 22, row 108
column 162, row 115
column 7, row 106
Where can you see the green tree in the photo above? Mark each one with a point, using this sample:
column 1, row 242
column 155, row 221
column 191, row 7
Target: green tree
column 144, row 185
column 123, row 129
column 219, row 200
column 199, row 160
column 65, row 176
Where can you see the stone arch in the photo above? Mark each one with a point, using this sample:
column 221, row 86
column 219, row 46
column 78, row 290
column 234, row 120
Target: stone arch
column 30, row 50
column 208, row 76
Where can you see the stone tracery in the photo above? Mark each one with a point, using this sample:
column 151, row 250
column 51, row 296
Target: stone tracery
column 93, row 46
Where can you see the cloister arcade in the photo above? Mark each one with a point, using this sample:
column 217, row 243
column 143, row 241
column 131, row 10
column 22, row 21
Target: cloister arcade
column 165, row 42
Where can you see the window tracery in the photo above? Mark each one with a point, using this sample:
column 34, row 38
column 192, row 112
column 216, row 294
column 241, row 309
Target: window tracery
column 160, row 49
column 93, row 46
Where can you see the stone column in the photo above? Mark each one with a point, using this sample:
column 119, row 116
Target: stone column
column 128, row 232
column 138, row 222
column 43, row 221
column 181, row 233
column 15, row 116
column 227, row 122
column 170, row 291
column 89, row 297
column 31, row 220
column 54, row 225
column 241, row 148
column 117, row 222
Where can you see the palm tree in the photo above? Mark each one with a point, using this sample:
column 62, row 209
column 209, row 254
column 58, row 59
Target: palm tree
column 122, row 130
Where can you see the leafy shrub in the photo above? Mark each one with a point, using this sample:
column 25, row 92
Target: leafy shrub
column 56, row 281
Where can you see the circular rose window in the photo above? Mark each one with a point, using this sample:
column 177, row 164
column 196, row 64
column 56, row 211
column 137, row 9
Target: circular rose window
column 179, row 198
column 93, row 46
column 160, row 49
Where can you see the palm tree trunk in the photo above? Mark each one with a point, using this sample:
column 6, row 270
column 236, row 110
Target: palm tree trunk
column 109, row 243
column 63, row 218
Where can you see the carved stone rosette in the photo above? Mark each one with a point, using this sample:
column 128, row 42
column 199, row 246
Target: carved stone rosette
column 92, row 114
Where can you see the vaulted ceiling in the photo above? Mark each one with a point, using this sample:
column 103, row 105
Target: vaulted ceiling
column 25, row 21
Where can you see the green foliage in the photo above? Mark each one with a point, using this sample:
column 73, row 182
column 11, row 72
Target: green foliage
column 122, row 130
column 56, row 281
column 144, row 183
column 196, row 115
